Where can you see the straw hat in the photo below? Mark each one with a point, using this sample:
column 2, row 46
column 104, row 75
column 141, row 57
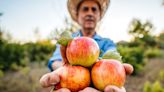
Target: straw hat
column 72, row 7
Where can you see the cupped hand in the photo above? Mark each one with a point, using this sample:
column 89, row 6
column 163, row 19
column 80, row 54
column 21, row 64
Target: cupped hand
column 62, row 90
column 114, row 89
column 107, row 89
column 49, row 79
column 89, row 89
column 128, row 68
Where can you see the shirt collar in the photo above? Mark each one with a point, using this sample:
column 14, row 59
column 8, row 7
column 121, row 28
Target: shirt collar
column 96, row 36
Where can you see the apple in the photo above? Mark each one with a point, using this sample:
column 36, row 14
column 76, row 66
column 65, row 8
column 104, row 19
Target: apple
column 74, row 78
column 108, row 72
column 82, row 51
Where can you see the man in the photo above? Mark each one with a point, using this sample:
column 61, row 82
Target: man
column 87, row 13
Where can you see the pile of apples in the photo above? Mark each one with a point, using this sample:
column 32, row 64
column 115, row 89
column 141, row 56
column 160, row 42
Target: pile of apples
column 84, row 67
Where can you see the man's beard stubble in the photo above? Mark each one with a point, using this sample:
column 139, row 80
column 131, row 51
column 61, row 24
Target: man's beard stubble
column 89, row 30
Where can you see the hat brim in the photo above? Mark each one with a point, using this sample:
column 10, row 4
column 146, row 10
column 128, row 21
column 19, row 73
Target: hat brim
column 72, row 6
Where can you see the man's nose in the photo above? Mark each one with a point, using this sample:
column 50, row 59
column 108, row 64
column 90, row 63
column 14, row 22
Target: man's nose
column 90, row 12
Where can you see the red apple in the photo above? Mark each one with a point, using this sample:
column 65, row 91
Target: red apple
column 108, row 72
column 82, row 51
column 74, row 78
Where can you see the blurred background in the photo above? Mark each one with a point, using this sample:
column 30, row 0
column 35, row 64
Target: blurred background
column 28, row 29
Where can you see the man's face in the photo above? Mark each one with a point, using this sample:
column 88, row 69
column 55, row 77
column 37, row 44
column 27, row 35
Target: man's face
column 88, row 14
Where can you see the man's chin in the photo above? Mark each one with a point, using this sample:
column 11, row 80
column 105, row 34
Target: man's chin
column 89, row 28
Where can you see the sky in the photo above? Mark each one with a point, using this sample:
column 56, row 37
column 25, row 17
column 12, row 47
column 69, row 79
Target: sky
column 21, row 17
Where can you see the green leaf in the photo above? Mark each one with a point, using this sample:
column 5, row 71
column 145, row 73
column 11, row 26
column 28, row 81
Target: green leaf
column 112, row 55
column 64, row 38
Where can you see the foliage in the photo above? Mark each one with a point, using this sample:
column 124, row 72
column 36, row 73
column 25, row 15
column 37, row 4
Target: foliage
column 152, row 53
column 13, row 55
column 1, row 38
column 10, row 53
column 161, row 75
column 134, row 56
column 144, row 45
column 1, row 74
column 139, row 29
column 142, row 33
column 147, row 87
column 160, row 40
column 155, row 87
column 38, row 51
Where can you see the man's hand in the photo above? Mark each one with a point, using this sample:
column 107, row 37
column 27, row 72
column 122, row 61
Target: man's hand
column 128, row 68
column 107, row 89
column 89, row 89
column 114, row 89
column 62, row 90
column 49, row 79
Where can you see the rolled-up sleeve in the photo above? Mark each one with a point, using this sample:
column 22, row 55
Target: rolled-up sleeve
column 108, row 45
column 55, row 57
